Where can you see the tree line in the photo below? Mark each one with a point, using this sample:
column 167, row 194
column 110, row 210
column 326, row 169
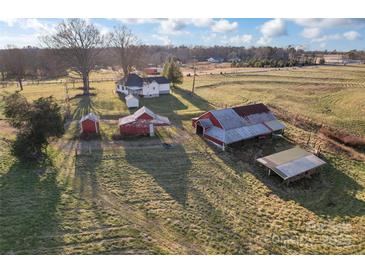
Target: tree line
column 79, row 46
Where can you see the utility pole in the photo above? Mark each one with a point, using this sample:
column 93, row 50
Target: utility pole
column 193, row 89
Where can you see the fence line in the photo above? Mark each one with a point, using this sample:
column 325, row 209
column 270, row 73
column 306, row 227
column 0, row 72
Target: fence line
column 54, row 82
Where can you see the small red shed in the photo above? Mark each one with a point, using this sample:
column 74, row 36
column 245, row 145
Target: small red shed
column 142, row 122
column 89, row 123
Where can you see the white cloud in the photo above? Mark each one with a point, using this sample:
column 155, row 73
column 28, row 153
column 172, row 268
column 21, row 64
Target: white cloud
column 137, row 20
column 325, row 38
column 311, row 33
column 223, row 25
column 273, row 28
column 238, row 40
column 326, row 23
column 18, row 40
column 264, row 41
column 321, row 22
column 202, row 22
column 165, row 40
column 173, row 26
column 40, row 27
column 300, row 47
column 103, row 29
column 9, row 21
column 322, row 45
column 351, row 35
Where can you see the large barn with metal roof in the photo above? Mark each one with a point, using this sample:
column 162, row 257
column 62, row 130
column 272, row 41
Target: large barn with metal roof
column 231, row 125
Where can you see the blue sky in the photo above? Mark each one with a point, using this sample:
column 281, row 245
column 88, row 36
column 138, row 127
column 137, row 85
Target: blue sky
column 309, row 34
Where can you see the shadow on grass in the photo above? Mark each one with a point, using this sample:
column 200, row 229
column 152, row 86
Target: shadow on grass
column 86, row 164
column 196, row 100
column 168, row 167
column 84, row 106
column 29, row 197
column 329, row 192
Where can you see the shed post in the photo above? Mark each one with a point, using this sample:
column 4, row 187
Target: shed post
column 152, row 132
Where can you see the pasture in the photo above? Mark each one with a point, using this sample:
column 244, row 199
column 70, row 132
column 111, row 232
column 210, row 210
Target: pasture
column 190, row 198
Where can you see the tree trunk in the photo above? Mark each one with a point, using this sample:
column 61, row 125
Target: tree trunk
column 85, row 80
column 125, row 70
column 20, row 83
column 2, row 76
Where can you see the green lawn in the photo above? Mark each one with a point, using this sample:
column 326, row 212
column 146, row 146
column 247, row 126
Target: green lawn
column 191, row 198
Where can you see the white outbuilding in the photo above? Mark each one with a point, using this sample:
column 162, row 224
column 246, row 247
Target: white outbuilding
column 131, row 101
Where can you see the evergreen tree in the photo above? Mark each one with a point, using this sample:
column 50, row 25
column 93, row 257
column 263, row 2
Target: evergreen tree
column 172, row 72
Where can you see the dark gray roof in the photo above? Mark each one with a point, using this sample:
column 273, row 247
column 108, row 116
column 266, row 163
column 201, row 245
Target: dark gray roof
column 158, row 79
column 134, row 80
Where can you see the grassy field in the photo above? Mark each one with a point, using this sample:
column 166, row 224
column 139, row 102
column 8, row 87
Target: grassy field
column 190, row 198
column 331, row 95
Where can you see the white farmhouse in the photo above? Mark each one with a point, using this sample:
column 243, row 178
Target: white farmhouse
column 131, row 101
column 143, row 86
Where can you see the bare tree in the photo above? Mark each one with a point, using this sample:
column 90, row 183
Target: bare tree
column 79, row 44
column 127, row 47
column 15, row 64
column 2, row 66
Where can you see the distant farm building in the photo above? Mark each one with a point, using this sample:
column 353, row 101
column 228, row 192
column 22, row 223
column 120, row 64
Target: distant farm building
column 337, row 59
column 90, row 124
column 292, row 164
column 215, row 60
column 152, row 70
column 131, row 101
column 142, row 122
column 144, row 86
column 232, row 125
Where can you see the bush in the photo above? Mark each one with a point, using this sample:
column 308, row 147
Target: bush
column 36, row 122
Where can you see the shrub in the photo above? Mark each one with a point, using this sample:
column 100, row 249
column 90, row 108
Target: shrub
column 36, row 122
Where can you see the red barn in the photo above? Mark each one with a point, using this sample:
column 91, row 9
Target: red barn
column 142, row 122
column 232, row 125
column 89, row 124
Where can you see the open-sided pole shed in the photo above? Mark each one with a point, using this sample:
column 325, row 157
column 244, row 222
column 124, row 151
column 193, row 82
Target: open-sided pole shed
column 292, row 164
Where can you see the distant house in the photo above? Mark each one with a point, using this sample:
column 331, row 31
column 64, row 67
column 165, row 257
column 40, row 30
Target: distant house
column 215, row 60
column 144, row 86
column 90, row 123
column 142, row 122
column 131, row 101
column 292, row 164
column 224, row 127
